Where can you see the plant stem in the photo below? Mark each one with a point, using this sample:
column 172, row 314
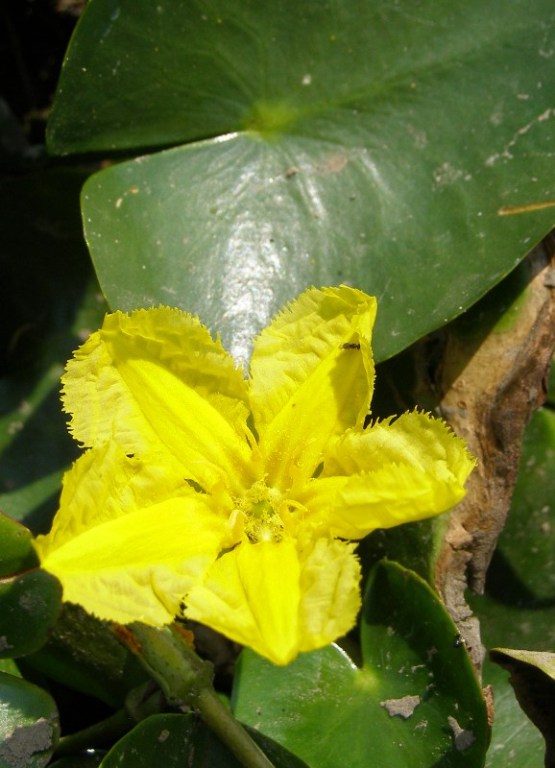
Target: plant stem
column 216, row 715
column 186, row 679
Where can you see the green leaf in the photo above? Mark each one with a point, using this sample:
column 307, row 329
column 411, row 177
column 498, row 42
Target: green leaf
column 389, row 146
column 29, row 727
column 540, row 661
column 79, row 761
column 83, row 653
column 415, row 702
column 518, row 608
column 178, row 740
column 10, row 667
column 29, row 606
column 50, row 303
column 17, row 553
column 533, row 679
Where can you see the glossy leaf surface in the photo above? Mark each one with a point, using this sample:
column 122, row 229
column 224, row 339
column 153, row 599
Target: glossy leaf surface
column 401, row 148
column 178, row 740
column 17, row 553
column 415, row 701
column 29, row 605
column 29, row 727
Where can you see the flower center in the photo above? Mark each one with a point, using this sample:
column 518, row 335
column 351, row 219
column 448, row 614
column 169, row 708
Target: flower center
column 259, row 509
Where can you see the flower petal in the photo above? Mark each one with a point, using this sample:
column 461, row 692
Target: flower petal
column 312, row 378
column 123, row 548
column 155, row 381
column 330, row 594
column 277, row 601
column 391, row 473
column 251, row 595
column 105, row 483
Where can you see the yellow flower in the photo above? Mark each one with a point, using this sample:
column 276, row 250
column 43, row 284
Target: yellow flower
column 234, row 499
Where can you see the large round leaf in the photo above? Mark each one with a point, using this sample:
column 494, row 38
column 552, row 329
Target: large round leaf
column 178, row 740
column 415, row 703
column 29, row 726
column 398, row 146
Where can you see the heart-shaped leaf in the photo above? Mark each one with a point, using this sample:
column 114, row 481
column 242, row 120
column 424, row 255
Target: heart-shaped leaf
column 415, row 703
column 178, row 740
column 400, row 147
